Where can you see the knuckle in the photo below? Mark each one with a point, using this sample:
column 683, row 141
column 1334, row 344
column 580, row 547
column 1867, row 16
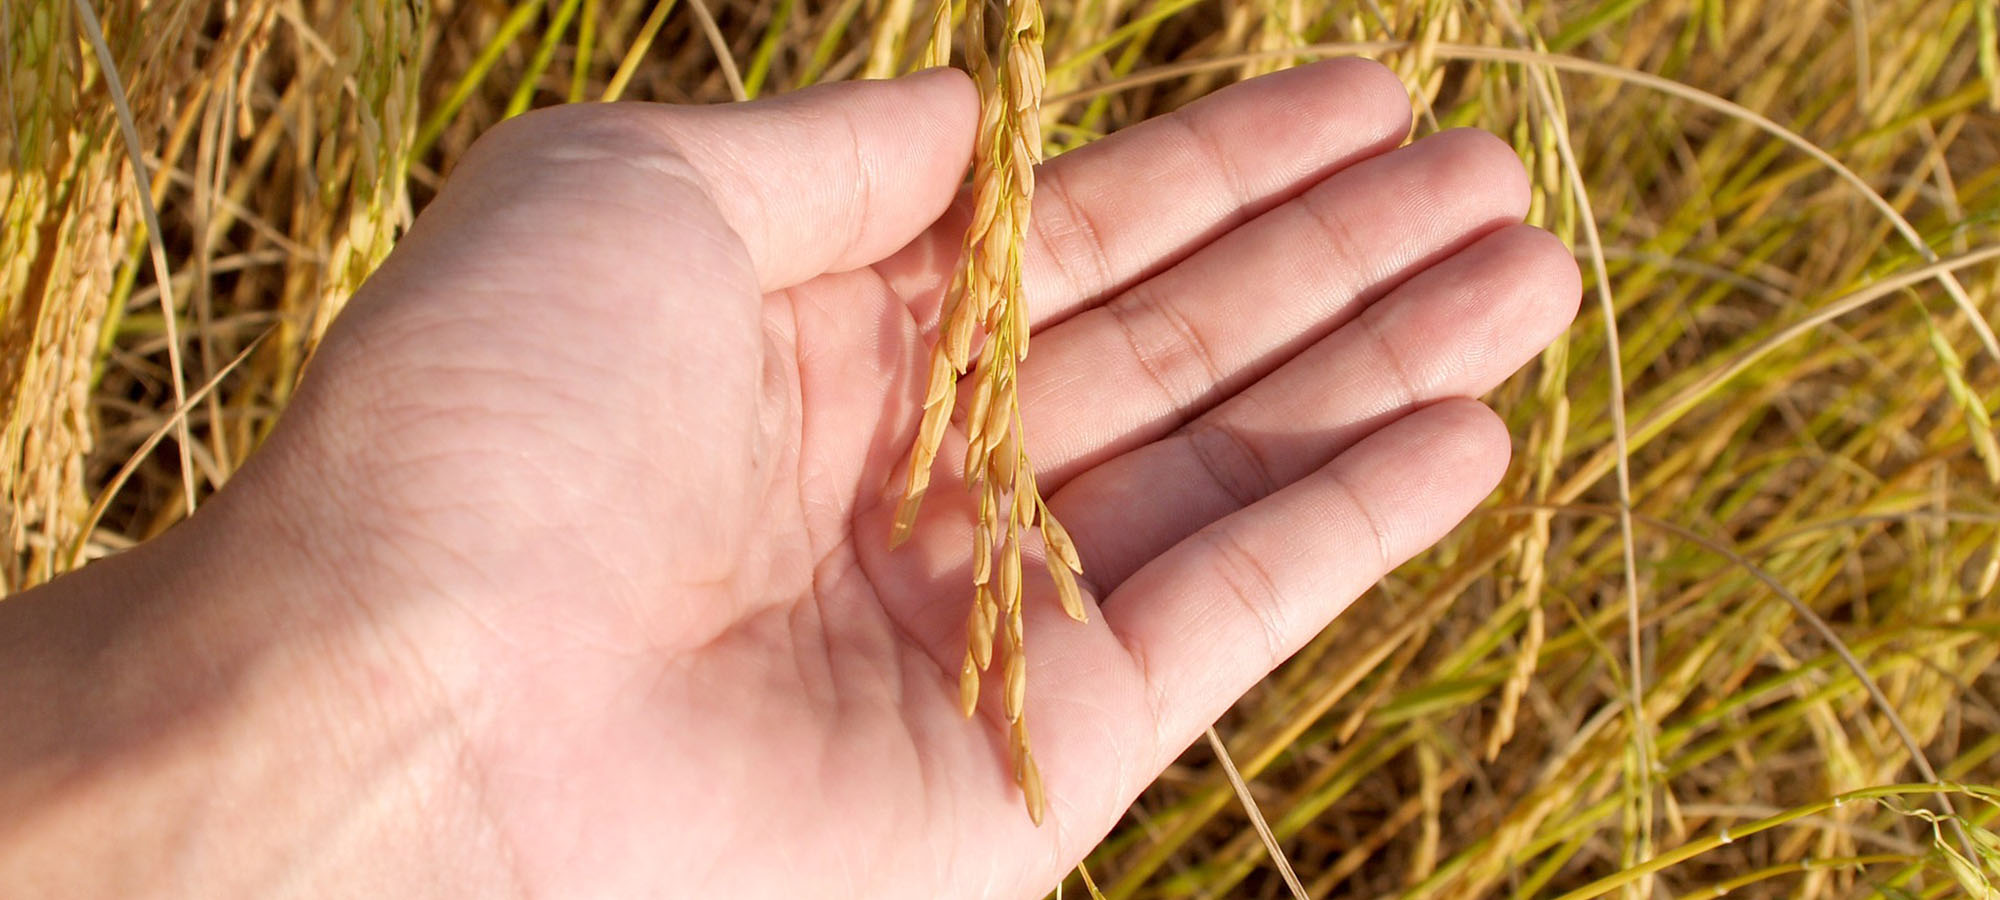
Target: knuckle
column 1211, row 149
column 1247, row 580
column 1074, row 240
column 1232, row 462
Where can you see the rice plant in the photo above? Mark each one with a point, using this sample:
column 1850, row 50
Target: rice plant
column 1729, row 626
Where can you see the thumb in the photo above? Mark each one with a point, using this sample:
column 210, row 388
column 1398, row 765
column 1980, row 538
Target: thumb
column 825, row 179
column 832, row 177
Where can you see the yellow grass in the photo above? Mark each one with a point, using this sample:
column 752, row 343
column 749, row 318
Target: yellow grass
column 1728, row 620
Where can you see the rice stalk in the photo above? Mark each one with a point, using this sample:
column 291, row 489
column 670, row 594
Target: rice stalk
column 985, row 297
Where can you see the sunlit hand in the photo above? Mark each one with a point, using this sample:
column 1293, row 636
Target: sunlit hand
column 575, row 537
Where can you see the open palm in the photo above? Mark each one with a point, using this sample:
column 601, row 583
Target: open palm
column 609, row 448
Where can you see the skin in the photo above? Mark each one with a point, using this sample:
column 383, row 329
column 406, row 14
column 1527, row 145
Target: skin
column 566, row 573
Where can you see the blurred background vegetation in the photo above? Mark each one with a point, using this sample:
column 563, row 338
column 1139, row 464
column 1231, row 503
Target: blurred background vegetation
column 1728, row 623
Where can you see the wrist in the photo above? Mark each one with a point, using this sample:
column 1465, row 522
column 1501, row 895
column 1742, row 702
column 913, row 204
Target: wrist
column 214, row 714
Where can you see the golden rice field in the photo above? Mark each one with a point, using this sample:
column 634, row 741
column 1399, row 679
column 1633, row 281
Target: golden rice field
column 1729, row 626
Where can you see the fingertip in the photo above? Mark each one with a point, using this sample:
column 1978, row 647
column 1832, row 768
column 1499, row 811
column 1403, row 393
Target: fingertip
column 1466, row 437
column 946, row 103
column 839, row 175
column 1350, row 107
column 1428, row 470
column 939, row 107
column 948, row 79
column 1375, row 88
column 1549, row 265
column 916, row 134
column 1492, row 165
column 1520, row 282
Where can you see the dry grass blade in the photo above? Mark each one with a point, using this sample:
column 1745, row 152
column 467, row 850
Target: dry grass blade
column 1089, row 885
column 177, row 420
column 1256, row 815
column 156, row 245
column 720, row 44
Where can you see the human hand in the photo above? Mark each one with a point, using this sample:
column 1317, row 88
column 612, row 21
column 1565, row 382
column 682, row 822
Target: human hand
column 576, row 535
